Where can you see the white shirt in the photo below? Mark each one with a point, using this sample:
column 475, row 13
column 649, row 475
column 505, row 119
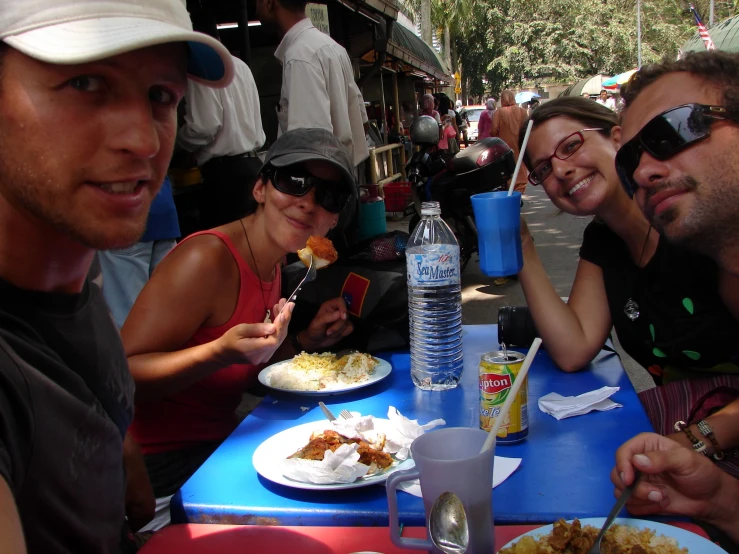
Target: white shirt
column 222, row 121
column 609, row 103
column 318, row 88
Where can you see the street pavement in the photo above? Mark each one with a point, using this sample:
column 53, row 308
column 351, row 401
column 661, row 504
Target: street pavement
column 557, row 237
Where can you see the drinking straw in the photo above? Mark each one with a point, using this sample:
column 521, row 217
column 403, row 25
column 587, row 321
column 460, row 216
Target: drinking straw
column 520, row 156
column 490, row 441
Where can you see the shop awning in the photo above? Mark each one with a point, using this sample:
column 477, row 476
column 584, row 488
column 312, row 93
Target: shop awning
column 404, row 45
column 725, row 36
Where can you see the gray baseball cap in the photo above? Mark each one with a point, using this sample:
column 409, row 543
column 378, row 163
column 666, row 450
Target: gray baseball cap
column 309, row 144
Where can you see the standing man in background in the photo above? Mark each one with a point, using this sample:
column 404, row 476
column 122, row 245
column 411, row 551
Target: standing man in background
column 223, row 131
column 318, row 88
column 127, row 270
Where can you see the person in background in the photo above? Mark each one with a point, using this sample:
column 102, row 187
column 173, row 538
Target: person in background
column 427, row 108
column 533, row 105
column 606, row 99
column 211, row 316
column 506, row 122
column 318, row 88
column 126, row 270
column 465, row 121
column 445, row 108
column 222, row 130
column 485, row 123
column 663, row 301
column 447, row 133
column 586, row 95
column 88, row 105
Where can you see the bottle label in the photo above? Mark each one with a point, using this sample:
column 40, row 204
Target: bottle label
column 435, row 267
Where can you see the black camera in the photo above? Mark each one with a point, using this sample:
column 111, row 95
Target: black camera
column 516, row 327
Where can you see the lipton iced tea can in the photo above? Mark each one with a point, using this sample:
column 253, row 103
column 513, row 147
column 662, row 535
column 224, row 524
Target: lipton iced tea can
column 498, row 370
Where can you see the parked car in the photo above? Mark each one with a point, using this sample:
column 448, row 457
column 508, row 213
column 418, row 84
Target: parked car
column 473, row 116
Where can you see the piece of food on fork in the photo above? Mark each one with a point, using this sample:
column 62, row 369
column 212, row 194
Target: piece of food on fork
column 322, row 250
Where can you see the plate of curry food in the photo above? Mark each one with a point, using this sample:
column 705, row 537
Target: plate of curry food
column 625, row 536
column 307, row 445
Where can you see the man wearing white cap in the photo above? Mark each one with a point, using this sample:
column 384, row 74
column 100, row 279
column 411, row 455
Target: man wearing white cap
column 88, row 98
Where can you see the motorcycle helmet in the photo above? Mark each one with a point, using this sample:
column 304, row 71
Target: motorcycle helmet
column 425, row 131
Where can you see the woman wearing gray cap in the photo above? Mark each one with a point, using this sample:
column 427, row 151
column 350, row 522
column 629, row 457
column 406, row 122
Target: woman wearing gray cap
column 205, row 323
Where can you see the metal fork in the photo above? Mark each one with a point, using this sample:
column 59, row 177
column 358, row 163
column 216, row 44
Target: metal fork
column 346, row 414
column 614, row 512
column 309, row 276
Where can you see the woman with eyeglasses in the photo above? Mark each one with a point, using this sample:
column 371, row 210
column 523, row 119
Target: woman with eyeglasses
column 207, row 321
column 672, row 310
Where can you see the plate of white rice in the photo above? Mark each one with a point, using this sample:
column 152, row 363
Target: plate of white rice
column 324, row 373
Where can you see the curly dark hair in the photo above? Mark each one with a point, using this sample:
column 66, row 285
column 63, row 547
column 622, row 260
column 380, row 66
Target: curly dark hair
column 717, row 68
column 584, row 110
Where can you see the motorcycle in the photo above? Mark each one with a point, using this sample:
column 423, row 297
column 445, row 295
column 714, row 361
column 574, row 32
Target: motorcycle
column 485, row 166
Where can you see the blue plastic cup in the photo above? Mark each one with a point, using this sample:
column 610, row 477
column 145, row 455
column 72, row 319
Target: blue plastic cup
column 498, row 220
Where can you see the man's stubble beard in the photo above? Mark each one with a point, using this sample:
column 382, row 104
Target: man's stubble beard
column 32, row 191
column 712, row 224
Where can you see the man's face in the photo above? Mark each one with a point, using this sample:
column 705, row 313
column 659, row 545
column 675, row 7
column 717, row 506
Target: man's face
column 84, row 148
column 693, row 197
column 266, row 15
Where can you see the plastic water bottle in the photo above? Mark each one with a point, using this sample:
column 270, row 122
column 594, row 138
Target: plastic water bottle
column 434, row 302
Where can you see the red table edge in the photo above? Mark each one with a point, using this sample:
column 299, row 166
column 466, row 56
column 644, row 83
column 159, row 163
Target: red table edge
column 196, row 537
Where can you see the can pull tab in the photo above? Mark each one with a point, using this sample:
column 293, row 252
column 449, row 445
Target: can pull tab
column 505, row 350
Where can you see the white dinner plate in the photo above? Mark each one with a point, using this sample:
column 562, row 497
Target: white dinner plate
column 382, row 370
column 269, row 457
column 685, row 539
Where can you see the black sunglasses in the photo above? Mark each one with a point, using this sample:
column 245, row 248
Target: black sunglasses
column 666, row 135
column 332, row 196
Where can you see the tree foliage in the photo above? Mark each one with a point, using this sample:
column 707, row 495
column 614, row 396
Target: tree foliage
column 512, row 43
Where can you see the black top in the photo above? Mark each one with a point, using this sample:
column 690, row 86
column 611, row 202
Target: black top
column 683, row 322
column 60, row 451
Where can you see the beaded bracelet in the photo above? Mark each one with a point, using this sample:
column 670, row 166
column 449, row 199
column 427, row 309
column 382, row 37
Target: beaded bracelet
column 698, row 445
column 707, row 432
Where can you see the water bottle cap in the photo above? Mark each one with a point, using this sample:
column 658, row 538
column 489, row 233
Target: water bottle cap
column 430, row 208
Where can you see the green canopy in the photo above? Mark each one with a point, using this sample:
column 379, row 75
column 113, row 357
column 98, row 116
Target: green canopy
column 725, row 36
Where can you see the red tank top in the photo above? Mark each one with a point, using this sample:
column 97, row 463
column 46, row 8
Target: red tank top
column 205, row 410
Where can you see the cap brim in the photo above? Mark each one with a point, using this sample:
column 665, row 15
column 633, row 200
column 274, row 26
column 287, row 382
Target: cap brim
column 294, row 158
column 89, row 40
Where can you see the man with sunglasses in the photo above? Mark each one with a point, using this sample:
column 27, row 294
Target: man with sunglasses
column 679, row 157
column 679, row 160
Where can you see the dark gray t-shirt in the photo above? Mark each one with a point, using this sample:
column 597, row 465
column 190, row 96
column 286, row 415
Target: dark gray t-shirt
column 60, row 451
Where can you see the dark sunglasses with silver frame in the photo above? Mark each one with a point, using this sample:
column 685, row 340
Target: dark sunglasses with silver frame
column 332, row 196
column 666, row 135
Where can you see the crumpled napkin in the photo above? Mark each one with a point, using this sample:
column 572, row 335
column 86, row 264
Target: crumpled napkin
column 561, row 407
column 503, row 468
column 342, row 465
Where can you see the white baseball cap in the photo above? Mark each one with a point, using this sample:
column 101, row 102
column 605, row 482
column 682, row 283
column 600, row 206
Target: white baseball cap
column 82, row 31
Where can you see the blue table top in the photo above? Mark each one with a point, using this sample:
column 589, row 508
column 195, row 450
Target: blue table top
column 565, row 470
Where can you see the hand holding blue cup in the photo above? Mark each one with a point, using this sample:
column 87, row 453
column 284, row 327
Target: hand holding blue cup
column 498, row 220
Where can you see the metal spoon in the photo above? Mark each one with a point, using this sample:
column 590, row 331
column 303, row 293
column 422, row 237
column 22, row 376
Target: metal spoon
column 448, row 524
column 614, row 512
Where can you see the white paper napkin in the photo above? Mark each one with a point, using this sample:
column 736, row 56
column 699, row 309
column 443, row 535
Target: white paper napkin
column 502, row 470
column 342, row 465
column 561, row 407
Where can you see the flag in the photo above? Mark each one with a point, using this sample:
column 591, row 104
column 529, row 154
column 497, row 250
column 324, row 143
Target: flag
column 702, row 31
